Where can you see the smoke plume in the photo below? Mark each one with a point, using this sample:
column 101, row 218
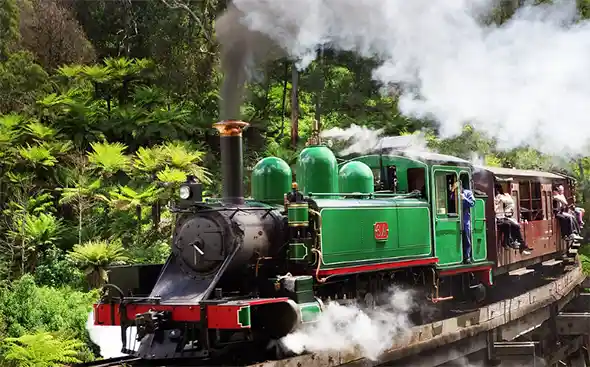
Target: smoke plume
column 525, row 82
column 345, row 328
column 241, row 52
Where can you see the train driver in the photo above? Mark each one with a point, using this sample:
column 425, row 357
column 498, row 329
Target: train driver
column 468, row 202
column 504, row 206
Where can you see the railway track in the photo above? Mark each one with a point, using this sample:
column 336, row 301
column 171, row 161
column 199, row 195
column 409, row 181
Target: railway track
column 112, row 362
column 542, row 294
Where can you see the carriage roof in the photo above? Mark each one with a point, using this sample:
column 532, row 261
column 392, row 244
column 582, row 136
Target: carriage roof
column 504, row 173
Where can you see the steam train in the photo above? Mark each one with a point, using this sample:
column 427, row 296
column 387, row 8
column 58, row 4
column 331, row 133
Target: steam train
column 245, row 271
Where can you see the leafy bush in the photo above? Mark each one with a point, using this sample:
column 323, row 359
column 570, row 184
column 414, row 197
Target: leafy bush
column 26, row 307
column 585, row 259
column 56, row 270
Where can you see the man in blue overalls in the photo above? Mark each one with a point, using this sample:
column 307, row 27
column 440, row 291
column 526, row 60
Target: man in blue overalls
column 468, row 202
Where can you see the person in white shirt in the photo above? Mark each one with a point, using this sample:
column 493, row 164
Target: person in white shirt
column 567, row 221
column 505, row 208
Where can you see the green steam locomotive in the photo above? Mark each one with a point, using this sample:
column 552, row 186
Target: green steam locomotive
column 253, row 270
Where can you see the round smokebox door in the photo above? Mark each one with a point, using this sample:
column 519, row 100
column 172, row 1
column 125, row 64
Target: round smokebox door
column 199, row 244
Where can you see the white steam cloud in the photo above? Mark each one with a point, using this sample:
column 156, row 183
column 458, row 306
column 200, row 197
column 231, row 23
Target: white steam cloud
column 363, row 140
column 108, row 338
column 346, row 328
column 525, row 82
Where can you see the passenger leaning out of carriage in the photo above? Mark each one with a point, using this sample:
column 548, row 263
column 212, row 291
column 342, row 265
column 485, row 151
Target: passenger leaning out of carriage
column 507, row 224
column 567, row 221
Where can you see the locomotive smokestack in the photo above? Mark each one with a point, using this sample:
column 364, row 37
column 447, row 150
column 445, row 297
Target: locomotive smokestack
column 232, row 159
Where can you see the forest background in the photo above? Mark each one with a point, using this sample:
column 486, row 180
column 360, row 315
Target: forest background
column 107, row 105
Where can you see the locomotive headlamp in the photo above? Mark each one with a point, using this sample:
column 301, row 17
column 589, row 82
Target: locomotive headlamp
column 185, row 192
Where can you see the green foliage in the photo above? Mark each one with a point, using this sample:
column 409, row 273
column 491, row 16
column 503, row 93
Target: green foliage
column 108, row 158
column 585, row 259
column 26, row 307
column 22, row 81
column 41, row 349
column 9, row 33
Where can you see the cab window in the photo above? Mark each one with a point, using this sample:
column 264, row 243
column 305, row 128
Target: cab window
column 417, row 181
column 446, row 199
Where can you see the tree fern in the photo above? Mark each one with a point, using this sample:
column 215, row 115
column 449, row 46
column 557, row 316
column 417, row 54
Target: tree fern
column 37, row 155
column 39, row 131
column 109, row 157
column 95, row 256
column 41, row 349
column 149, row 160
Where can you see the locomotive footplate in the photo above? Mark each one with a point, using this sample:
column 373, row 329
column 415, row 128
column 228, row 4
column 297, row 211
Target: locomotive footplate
column 219, row 314
column 175, row 330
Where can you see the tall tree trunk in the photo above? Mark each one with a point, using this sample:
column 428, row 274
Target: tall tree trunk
column 320, row 86
column 294, row 107
column 80, row 222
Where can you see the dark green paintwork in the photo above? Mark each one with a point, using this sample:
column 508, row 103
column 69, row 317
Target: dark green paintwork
column 347, row 233
column 356, row 177
column 447, row 241
column 298, row 214
column 310, row 311
column 317, row 170
column 447, row 226
column 244, row 316
column 478, row 225
column 298, row 251
column 271, row 180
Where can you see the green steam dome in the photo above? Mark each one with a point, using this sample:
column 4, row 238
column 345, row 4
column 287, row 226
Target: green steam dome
column 271, row 180
column 317, row 170
column 356, row 177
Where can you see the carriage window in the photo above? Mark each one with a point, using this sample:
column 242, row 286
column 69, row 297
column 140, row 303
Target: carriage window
column 446, row 201
column 531, row 206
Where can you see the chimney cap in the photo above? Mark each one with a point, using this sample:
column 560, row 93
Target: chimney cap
column 230, row 127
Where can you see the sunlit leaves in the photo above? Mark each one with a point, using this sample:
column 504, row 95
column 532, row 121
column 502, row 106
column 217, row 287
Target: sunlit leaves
column 38, row 155
column 39, row 131
column 126, row 198
column 171, row 175
column 109, row 157
column 94, row 256
column 149, row 160
column 42, row 349
column 98, row 254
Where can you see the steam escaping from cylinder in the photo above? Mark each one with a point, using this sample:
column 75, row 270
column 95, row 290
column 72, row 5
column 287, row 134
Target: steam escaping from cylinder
column 344, row 328
column 108, row 338
column 526, row 82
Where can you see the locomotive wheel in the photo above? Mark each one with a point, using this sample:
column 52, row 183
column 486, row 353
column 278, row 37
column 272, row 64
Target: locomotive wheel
column 479, row 293
column 369, row 301
column 276, row 349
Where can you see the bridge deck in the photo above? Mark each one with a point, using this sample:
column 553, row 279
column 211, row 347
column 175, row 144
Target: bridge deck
column 533, row 305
